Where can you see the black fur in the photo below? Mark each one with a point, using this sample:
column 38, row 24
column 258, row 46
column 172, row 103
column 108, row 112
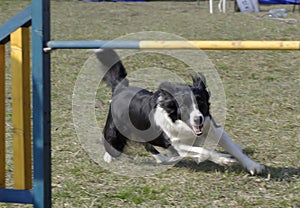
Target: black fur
column 140, row 107
column 202, row 95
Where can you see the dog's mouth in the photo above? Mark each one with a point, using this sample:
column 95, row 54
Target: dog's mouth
column 197, row 129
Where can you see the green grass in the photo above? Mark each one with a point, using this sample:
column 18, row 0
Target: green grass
column 262, row 101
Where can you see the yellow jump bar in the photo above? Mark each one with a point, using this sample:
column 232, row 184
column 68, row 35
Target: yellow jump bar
column 221, row 45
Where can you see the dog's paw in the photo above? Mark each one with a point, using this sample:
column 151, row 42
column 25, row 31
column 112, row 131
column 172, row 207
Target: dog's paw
column 255, row 168
column 224, row 155
column 226, row 161
column 223, row 159
column 174, row 159
column 107, row 157
column 163, row 159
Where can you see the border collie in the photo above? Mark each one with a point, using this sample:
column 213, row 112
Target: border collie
column 176, row 117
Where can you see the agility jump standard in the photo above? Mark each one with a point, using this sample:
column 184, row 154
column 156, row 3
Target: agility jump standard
column 31, row 151
column 32, row 163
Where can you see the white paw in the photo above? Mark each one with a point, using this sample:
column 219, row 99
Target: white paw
column 255, row 168
column 174, row 159
column 160, row 158
column 226, row 161
column 225, row 155
column 163, row 159
column 107, row 157
column 223, row 159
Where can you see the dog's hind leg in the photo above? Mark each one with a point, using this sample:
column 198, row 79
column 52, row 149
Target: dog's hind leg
column 114, row 142
column 113, row 148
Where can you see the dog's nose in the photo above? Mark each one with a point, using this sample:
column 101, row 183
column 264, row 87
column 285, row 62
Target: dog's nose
column 199, row 120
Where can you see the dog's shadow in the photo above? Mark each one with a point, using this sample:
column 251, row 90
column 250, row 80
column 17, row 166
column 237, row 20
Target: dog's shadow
column 270, row 173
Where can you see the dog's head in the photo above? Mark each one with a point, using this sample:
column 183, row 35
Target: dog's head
column 189, row 104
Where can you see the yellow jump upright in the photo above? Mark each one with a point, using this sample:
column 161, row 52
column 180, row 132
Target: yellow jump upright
column 2, row 116
column 21, row 109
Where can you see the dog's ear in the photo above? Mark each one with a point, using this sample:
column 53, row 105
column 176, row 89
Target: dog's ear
column 167, row 91
column 168, row 103
column 166, row 87
column 166, row 95
column 167, row 100
column 199, row 81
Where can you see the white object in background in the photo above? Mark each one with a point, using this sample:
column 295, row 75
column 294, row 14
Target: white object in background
column 278, row 13
column 222, row 6
column 211, row 9
column 248, row 5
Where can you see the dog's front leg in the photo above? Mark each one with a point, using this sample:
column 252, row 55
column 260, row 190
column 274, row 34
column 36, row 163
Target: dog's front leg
column 201, row 154
column 234, row 150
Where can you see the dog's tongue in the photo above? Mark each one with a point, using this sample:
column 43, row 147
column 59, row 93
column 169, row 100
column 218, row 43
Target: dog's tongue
column 197, row 130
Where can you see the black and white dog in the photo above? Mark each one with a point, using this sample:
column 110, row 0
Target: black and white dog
column 175, row 117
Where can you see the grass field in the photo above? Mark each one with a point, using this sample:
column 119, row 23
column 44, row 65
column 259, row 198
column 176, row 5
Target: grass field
column 262, row 102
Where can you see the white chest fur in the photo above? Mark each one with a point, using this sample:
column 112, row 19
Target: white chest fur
column 177, row 131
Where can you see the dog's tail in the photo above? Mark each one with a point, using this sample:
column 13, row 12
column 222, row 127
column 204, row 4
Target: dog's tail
column 115, row 73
